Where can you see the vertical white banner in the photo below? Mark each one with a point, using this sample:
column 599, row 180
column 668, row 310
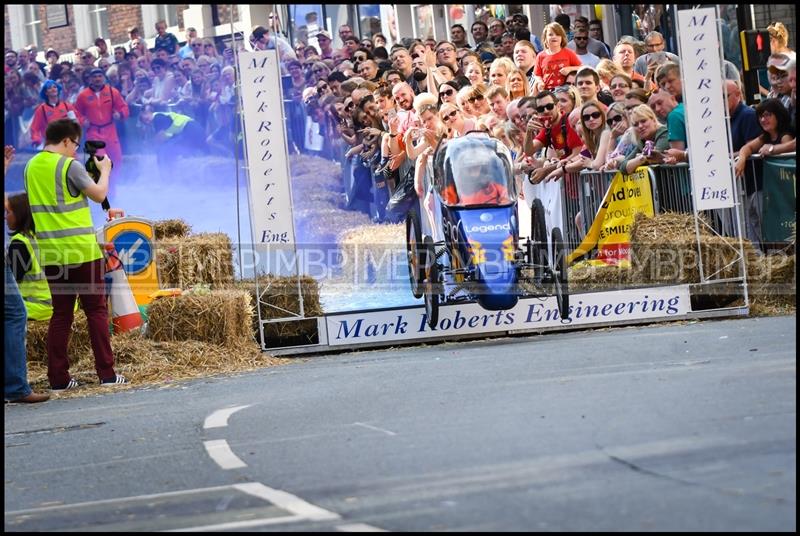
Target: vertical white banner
column 267, row 158
column 705, row 107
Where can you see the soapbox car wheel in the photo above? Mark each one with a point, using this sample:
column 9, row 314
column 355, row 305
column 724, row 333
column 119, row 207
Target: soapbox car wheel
column 537, row 243
column 415, row 252
column 559, row 267
column 431, row 284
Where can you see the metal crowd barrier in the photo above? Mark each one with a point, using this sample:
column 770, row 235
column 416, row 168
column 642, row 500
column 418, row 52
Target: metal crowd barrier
column 583, row 193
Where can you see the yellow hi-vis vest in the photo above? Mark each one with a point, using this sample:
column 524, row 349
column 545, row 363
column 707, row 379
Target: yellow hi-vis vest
column 64, row 228
column 33, row 287
column 178, row 122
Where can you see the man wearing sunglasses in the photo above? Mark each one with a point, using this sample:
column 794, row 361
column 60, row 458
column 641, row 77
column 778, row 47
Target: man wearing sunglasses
column 556, row 133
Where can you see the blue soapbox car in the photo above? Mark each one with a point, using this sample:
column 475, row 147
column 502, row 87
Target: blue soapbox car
column 480, row 258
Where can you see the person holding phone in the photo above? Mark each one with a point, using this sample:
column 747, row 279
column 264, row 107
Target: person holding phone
column 647, row 128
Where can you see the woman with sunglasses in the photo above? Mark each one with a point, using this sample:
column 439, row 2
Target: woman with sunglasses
column 454, row 121
column 319, row 71
column 622, row 138
column 619, row 85
column 517, row 85
column 447, row 92
column 478, row 101
column 595, row 134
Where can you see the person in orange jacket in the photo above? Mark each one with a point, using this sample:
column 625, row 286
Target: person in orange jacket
column 101, row 105
column 52, row 109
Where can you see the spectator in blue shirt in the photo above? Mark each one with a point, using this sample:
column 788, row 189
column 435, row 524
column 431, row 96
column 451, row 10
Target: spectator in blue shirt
column 165, row 40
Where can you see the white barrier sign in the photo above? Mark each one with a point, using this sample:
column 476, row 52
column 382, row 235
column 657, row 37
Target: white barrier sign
column 706, row 128
column 265, row 134
column 585, row 309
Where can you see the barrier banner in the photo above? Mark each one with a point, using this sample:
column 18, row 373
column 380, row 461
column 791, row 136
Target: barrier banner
column 703, row 97
column 265, row 133
column 596, row 308
column 627, row 195
column 780, row 199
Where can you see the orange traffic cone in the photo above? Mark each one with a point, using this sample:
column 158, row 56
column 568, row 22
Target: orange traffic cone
column 125, row 314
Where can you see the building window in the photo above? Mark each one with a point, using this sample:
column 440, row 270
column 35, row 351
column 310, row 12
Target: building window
column 369, row 19
column 98, row 20
column 168, row 13
column 33, row 25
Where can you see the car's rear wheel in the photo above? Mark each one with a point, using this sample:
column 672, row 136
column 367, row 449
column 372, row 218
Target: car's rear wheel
column 432, row 285
column 537, row 243
column 415, row 252
column 560, row 286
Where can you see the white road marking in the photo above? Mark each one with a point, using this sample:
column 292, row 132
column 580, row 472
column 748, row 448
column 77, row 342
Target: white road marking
column 241, row 524
column 117, row 500
column 387, row 432
column 222, row 454
column 219, row 418
column 287, row 501
column 359, row 527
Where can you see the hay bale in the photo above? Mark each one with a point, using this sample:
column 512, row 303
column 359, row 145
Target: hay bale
column 280, row 299
column 167, row 229
column 204, row 258
column 222, row 317
column 664, row 250
column 79, row 344
column 374, row 254
column 585, row 277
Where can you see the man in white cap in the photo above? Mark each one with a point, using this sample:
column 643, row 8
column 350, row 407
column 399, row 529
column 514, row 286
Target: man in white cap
column 779, row 67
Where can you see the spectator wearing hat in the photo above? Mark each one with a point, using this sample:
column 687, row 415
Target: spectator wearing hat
column 100, row 105
column 52, row 109
column 779, row 67
column 51, row 57
column 165, row 40
column 325, row 48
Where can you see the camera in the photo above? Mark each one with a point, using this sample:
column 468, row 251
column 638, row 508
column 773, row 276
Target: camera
column 90, row 148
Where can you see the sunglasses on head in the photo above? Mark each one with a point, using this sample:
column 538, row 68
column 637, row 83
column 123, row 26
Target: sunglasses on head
column 614, row 120
column 593, row 115
column 545, row 108
column 450, row 116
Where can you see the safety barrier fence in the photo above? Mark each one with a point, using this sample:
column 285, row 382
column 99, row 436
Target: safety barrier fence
column 671, row 186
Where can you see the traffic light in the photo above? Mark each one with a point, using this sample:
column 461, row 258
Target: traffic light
column 755, row 49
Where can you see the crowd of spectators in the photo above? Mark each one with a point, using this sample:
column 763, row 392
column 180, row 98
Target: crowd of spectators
column 562, row 102
column 196, row 80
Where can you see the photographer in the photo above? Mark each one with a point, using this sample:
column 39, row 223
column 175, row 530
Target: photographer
column 68, row 249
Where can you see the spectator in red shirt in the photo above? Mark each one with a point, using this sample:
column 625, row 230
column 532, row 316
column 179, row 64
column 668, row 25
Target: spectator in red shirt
column 555, row 62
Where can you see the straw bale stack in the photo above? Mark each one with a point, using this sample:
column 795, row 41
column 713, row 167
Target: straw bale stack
column 584, row 277
column 79, row 343
column 222, row 317
column 664, row 250
column 171, row 229
column 204, row 258
column 279, row 299
column 374, row 254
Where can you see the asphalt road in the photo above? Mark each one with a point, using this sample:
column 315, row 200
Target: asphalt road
column 686, row 426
